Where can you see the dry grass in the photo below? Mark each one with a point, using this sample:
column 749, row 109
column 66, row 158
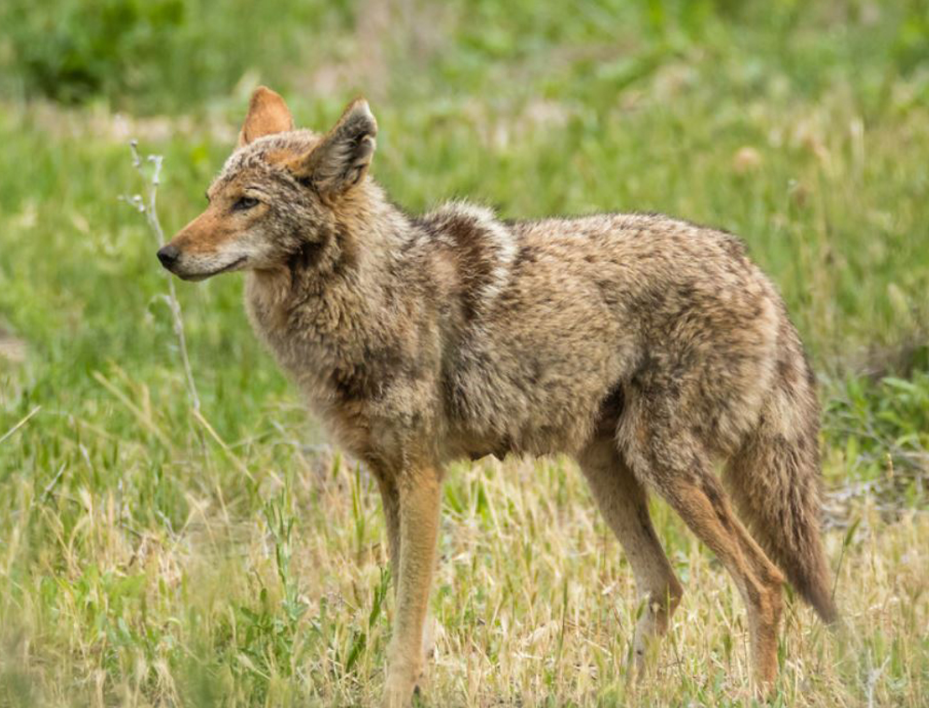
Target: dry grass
column 533, row 602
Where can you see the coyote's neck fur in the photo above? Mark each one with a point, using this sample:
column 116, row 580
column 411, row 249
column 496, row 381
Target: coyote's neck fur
column 335, row 278
column 331, row 301
column 362, row 303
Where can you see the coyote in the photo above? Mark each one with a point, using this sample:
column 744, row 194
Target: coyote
column 646, row 347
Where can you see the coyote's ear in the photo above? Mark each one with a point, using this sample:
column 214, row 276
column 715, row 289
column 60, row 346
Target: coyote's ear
column 267, row 114
column 341, row 159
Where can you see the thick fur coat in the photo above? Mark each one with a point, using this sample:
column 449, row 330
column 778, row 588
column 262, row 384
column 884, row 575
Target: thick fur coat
column 646, row 347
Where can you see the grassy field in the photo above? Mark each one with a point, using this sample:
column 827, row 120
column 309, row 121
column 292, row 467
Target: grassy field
column 152, row 554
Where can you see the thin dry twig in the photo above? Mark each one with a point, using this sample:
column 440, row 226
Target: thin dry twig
column 149, row 209
column 9, row 433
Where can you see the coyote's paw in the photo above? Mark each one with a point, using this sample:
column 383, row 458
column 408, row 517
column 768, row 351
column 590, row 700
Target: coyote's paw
column 398, row 693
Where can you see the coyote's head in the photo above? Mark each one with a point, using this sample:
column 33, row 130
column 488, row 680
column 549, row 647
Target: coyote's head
column 281, row 194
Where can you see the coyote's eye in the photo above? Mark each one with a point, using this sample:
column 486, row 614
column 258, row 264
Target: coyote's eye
column 245, row 203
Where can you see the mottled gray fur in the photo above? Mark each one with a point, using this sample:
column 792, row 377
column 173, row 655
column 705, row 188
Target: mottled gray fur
column 646, row 347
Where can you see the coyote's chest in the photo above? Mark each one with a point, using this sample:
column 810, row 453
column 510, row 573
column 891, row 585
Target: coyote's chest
column 370, row 384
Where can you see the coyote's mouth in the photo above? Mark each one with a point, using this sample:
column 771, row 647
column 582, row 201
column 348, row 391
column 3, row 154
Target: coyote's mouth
column 203, row 276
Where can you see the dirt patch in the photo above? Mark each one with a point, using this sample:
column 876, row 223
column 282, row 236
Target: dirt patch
column 12, row 348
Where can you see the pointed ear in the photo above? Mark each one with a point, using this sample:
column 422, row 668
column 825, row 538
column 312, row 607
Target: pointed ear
column 341, row 159
column 267, row 114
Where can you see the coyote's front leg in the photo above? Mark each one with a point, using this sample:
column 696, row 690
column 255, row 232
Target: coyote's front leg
column 419, row 497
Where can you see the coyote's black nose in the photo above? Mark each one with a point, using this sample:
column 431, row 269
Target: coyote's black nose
column 168, row 255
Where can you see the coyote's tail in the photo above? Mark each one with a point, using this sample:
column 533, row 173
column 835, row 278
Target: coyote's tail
column 774, row 480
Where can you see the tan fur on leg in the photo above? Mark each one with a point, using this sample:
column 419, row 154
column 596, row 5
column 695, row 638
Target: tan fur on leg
column 704, row 508
column 622, row 501
column 419, row 494
column 390, row 497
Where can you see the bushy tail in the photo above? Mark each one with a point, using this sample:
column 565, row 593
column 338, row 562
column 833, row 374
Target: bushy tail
column 774, row 481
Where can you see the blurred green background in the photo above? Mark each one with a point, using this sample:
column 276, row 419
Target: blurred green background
column 801, row 126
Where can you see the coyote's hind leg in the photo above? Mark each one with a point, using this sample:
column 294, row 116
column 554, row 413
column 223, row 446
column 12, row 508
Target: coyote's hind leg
column 680, row 470
column 623, row 502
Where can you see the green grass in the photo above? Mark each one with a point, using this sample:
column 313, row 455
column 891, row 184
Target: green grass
column 151, row 556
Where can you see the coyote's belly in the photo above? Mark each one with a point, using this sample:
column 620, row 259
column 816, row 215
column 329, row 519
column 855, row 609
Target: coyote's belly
column 534, row 377
column 533, row 410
